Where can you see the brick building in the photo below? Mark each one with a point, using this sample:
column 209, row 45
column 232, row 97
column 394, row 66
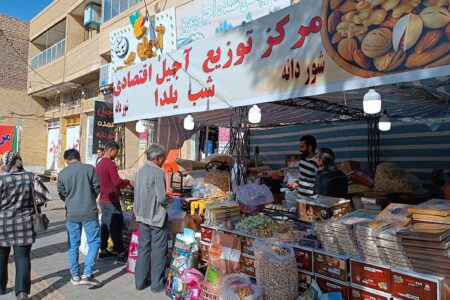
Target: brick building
column 16, row 107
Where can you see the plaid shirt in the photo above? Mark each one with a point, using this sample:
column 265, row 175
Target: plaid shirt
column 16, row 209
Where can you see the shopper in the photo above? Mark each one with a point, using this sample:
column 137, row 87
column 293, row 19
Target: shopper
column 78, row 186
column 112, row 217
column 150, row 208
column 307, row 166
column 100, row 153
column 330, row 181
column 16, row 225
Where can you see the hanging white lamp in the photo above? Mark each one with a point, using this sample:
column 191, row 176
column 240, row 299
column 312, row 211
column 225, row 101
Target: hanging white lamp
column 384, row 124
column 254, row 114
column 188, row 122
column 140, row 127
column 372, row 102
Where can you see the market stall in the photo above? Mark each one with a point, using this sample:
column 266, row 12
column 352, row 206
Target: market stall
column 236, row 233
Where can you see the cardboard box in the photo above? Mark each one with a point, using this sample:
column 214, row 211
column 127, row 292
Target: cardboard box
column 331, row 265
column 304, row 258
column 363, row 293
column 410, row 285
column 348, row 166
column 305, row 280
column 206, row 233
column 371, row 276
column 247, row 265
column 322, row 208
column 332, row 285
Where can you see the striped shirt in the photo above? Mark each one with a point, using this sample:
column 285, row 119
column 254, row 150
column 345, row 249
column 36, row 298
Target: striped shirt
column 308, row 171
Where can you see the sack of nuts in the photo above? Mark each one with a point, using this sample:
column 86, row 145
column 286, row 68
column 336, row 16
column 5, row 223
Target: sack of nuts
column 276, row 269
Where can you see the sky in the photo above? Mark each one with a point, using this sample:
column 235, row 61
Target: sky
column 22, row 9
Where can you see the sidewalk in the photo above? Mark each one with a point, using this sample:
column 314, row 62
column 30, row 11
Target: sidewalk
column 49, row 267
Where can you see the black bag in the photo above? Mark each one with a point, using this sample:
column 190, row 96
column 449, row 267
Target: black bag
column 40, row 221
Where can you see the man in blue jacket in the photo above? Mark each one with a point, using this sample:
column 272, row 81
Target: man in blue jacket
column 79, row 186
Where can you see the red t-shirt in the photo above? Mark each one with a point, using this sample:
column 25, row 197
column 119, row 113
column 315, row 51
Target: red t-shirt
column 110, row 182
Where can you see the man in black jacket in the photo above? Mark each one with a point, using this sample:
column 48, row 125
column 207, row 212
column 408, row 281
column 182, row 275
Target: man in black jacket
column 79, row 186
column 329, row 181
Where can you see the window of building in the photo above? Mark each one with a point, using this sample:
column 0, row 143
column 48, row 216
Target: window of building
column 112, row 8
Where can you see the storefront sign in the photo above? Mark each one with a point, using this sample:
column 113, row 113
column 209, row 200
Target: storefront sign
column 7, row 134
column 224, row 139
column 143, row 39
column 294, row 52
column 103, row 125
column 197, row 20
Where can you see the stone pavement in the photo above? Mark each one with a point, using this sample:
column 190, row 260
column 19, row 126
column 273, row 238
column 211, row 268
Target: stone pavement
column 50, row 274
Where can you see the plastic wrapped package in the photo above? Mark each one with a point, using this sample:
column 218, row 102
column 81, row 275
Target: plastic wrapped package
column 192, row 280
column 276, row 269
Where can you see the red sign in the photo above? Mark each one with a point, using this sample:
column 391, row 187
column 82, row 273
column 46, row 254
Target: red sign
column 6, row 138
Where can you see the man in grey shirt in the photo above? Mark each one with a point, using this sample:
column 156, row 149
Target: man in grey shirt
column 78, row 186
column 150, row 202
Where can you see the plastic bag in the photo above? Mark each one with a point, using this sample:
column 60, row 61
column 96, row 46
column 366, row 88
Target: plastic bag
column 174, row 210
column 276, row 269
column 224, row 258
column 254, row 194
column 233, row 284
column 192, row 280
column 133, row 252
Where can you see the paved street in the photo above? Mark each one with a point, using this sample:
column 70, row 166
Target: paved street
column 50, row 274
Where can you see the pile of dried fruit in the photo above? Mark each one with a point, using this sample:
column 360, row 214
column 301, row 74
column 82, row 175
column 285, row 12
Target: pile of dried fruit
column 389, row 35
column 243, row 292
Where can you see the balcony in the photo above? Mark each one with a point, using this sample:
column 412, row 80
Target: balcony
column 49, row 54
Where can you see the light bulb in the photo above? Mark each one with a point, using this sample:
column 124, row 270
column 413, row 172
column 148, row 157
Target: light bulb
column 188, row 122
column 154, row 49
column 140, row 128
column 384, row 124
column 57, row 91
column 372, row 102
column 254, row 114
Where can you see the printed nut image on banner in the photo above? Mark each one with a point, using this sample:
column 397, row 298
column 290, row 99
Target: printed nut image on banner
column 374, row 37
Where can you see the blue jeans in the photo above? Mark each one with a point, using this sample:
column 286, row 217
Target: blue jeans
column 92, row 230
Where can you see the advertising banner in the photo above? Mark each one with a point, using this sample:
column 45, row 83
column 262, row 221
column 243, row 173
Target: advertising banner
column 311, row 48
column 142, row 39
column 73, row 137
column 52, row 148
column 224, row 140
column 201, row 19
column 7, row 138
column 103, row 125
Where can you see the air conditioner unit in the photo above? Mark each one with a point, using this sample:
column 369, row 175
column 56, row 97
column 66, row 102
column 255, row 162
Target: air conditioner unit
column 92, row 16
column 105, row 76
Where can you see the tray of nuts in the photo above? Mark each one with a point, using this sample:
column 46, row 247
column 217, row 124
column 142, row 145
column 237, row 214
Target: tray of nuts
column 376, row 37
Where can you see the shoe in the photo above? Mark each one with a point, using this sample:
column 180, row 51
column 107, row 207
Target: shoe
column 89, row 280
column 105, row 255
column 75, row 280
column 121, row 259
column 22, row 296
column 158, row 289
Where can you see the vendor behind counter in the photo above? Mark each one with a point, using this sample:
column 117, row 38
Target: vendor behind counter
column 330, row 181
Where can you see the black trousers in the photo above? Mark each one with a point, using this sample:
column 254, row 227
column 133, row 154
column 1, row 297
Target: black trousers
column 152, row 246
column 112, row 224
column 23, row 268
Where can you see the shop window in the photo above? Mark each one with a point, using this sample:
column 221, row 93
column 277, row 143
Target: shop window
column 90, row 158
column 112, row 8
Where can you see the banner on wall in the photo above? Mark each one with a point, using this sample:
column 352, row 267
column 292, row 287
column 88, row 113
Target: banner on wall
column 52, row 148
column 294, row 52
column 8, row 140
column 103, row 125
column 73, row 137
column 201, row 19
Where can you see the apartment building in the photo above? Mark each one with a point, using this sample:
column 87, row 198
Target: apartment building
column 69, row 53
column 17, row 109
